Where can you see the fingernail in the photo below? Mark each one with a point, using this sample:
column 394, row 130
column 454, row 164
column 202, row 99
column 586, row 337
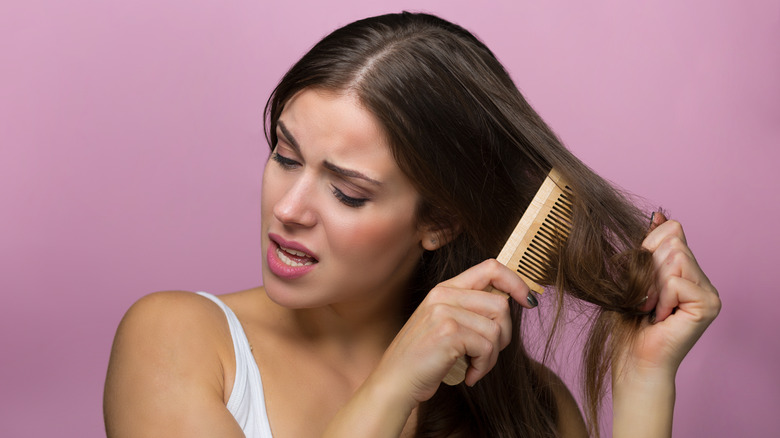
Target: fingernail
column 532, row 300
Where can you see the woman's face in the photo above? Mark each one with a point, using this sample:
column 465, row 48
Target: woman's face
column 339, row 221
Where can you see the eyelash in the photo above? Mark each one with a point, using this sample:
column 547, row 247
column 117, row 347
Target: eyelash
column 349, row 201
column 285, row 162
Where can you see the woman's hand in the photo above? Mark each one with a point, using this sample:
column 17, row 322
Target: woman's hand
column 683, row 302
column 456, row 318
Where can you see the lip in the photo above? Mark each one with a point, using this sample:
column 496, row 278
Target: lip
column 279, row 240
column 281, row 269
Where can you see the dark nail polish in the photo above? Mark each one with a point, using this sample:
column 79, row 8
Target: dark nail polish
column 532, row 300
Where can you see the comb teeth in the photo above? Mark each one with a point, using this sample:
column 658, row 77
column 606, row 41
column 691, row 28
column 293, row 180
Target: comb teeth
column 541, row 231
column 544, row 227
column 554, row 229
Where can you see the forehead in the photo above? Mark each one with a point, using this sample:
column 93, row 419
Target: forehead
column 341, row 112
column 337, row 128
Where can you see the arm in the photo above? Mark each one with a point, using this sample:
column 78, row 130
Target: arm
column 377, row 409
column 684, row 304
column 165, row 375
column 642, row 404
column 389, row 409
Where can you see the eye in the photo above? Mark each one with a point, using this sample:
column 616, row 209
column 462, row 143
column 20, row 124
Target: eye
column 349, row 201
column 285, row 162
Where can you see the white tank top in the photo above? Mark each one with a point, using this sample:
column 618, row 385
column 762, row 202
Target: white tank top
column 247, row 402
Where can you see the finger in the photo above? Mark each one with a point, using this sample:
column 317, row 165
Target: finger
column 661, row 232
column 665, row 237
column 483, row 340
column 673, row 257
column 467, row 334
column 681, row 296
column 651, row 300
column 475, row 306
column 491, row 273
column 489, row 305
column 483, row 356
column 656, row 219
column 675, row 263
column 668, row 300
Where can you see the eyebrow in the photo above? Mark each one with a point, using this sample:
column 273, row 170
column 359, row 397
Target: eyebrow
column 349, row 173
column 328, row 165
column 289, row 137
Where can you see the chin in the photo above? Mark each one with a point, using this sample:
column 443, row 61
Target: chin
column 289, row 296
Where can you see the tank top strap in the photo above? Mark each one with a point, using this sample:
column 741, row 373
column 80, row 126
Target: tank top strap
column 247, row 400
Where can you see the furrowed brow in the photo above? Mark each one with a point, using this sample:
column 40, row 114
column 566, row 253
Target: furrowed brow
column 349, row 173
column 328, row 165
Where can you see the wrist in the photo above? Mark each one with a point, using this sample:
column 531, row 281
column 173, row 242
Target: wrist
column 642, row 375
column 389, row 395
column 647, row 388
column 643, row 403
column 378, row 409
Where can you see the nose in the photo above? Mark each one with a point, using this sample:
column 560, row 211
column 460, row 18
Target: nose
column 294, row 208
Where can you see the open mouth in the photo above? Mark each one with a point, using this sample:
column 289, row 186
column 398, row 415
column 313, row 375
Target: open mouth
column 294, row 258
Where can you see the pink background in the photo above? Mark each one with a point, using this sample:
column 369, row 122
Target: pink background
column 131, row 151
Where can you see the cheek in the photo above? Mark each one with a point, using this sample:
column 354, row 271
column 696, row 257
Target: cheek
column 362, row 240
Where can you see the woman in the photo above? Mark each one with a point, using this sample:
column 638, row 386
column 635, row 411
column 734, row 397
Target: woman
column 402, row 157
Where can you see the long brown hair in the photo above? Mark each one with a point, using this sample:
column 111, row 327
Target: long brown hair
column 477, row 152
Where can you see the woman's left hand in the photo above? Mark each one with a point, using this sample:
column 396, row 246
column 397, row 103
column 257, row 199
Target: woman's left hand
column 683, row 302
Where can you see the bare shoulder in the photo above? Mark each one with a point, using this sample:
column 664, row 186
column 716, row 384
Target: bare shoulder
column 171, row 307
column 166, row 374
column 170, row 320
column 570, row 421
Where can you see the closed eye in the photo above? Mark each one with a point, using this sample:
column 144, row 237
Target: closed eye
column 349, row 201
column 286, row 163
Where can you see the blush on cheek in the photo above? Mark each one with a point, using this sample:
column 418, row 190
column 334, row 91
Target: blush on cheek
column 377, row 240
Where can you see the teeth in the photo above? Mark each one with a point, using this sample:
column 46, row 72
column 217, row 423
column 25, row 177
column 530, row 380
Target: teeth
column 287, row 261
column 294, row 252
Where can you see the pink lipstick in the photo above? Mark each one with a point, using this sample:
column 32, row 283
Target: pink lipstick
column 287, row 259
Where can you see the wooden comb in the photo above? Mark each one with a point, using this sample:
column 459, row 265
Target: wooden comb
column 545, row 225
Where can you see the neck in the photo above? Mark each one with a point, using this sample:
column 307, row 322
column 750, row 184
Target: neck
column 377, row 320
column 344, row 328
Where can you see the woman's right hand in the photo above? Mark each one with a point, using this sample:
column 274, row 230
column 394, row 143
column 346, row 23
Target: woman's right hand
column 457, row 318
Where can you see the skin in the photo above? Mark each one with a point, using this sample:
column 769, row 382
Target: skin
column 330, row 344
column 361, row 229
column 685, row 303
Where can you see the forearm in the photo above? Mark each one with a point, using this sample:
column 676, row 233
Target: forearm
column 642, row 405
column 377, row 410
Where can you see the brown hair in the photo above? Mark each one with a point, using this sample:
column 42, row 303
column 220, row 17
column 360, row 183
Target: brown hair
column 477, row 152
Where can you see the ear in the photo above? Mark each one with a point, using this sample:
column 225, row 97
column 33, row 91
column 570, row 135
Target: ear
column 433, row 238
